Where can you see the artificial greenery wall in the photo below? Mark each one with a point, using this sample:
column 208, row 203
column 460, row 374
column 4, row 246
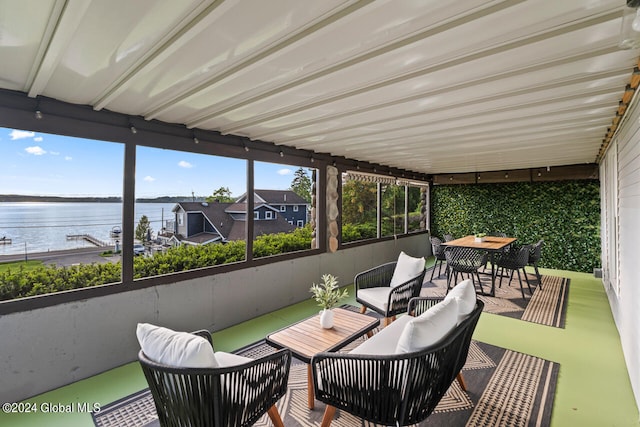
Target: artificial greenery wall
column 566, row 214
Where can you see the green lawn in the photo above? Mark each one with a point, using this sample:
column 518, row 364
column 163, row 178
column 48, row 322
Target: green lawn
column 27, row 265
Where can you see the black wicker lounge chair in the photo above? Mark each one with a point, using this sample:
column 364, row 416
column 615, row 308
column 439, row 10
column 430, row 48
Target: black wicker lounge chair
column 225, row 396
column 380, row 296
column 397, row 389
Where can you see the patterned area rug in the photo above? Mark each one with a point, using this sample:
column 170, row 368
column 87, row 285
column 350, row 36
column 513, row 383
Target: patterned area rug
column 504, row 388
column 546, row 306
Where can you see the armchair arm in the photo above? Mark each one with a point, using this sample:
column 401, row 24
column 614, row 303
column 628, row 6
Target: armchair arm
column 419, row 305
column 369, row 387
column 250, row 389
column 399, row 297
column 375, row 277
column 384, row 389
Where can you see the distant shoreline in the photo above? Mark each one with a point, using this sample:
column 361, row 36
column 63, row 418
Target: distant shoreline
column 17, row 198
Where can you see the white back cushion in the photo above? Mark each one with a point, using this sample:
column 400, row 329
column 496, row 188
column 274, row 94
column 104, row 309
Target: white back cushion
column 465, row 294
column 179, row 349
column 406, row 269
column 429, row 328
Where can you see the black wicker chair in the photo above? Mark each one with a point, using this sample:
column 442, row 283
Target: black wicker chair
column 438, row 253
column 448, row 237
column 398, row 297
column 464, row 260
column 534, row 257
column 398, row 389
column 226, row 396
column 514, row 261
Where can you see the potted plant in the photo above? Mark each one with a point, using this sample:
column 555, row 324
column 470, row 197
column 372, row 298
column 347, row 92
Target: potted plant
column 327, row 294
column 479, row 237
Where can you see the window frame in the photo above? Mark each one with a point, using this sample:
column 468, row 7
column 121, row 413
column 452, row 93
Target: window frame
column 77, row 121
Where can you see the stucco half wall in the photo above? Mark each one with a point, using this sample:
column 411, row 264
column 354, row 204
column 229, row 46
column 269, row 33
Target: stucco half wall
column 50, row 347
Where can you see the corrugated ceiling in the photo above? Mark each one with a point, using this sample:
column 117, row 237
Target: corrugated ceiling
column 425, row 85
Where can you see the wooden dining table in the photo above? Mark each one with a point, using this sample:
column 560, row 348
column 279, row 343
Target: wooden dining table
column 491, row 244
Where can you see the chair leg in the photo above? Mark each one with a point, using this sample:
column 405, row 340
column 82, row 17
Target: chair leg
column 480, row 282
column 527, row 279
column 460, row 379
column 274, row 415
column 434, row 270
column 388, row 320
column 535, row 266
column 363, row 309
column 520, row 280
column 329, row 412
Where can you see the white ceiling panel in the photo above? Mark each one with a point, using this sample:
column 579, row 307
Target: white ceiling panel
column 421, row 85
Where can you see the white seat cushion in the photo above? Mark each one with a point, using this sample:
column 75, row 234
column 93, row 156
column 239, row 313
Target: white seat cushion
column 406, row 269
column 465, row 294
column 377, row 297
column 179, row 349
column 428, row 328
column 385, row 341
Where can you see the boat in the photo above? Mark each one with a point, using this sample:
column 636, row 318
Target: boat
column 116, row 232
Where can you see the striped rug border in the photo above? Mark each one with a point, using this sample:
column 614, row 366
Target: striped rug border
column 520, row 393
column 548, row 304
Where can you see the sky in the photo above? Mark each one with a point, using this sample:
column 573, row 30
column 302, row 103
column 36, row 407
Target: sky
column 41, row 164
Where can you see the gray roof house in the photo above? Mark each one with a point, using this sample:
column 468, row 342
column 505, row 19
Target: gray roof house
column 199, row 223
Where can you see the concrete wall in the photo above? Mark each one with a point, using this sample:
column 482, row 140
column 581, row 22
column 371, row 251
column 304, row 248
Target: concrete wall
column 624, row 292
column 47, row 348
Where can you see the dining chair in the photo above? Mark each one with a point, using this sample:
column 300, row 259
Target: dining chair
column 464, row 260
column 438, row 253
column 514, row 261
column 534, row 257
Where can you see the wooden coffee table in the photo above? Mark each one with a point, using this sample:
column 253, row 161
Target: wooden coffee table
column 307, row 338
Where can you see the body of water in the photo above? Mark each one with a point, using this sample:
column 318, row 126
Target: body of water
column 42, row 227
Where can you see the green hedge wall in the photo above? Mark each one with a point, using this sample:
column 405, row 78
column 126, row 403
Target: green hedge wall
column 566, row 214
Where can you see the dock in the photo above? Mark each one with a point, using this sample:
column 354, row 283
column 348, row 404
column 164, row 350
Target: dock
column 89, row 238
column 5, row 241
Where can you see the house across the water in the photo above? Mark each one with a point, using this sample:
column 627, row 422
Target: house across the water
column 199, row 223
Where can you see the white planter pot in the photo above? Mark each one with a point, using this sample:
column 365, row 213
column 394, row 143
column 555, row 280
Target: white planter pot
column 326, row 319
column 479, row 239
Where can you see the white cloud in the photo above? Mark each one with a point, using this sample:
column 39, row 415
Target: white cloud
column 35, row 150
column 184, row 164
column 149, row 178
column 38, row 139
column 54, row 153
column 68, row 158
column 284, row 172
column 21, row 134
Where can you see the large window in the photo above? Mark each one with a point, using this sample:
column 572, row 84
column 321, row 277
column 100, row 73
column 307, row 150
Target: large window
column 281, row 229
column 186, row 211
column 60, row 213
column 398, row 204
